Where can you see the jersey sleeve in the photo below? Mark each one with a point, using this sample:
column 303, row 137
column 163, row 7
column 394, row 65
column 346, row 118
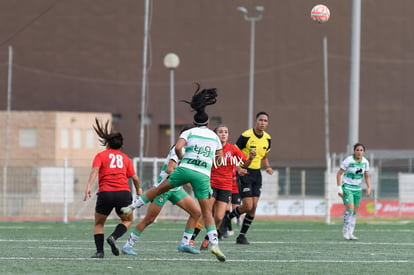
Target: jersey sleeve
column 97, row 161
column 239, row 153
column 241, row 142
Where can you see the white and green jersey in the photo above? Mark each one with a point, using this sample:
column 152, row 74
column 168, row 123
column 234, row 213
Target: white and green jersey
column 163, row 174
column 354, row 172
column 201, row 147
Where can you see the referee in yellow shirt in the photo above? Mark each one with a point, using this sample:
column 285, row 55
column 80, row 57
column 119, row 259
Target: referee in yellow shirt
column 255, row 143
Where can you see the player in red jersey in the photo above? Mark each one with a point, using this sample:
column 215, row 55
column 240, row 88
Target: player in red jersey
column 222, row 176
column 226, row 228
column 113, row 169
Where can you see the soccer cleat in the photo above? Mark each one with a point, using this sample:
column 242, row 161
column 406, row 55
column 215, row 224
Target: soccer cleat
column 188, row 248
column 127, row 210
column 98, row 255
column 191, row 242
column 352, row 237
column 217, row 252
column 127, row 250
column 241, row 239
column 112, row 242
column 204, row 245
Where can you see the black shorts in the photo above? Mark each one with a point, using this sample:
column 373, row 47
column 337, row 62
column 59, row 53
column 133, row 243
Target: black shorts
column 109, row 200
column 235, row 198
column 251, row 184
column 221, row 195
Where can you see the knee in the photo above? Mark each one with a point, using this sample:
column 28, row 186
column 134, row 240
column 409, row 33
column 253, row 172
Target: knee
column 196, row 214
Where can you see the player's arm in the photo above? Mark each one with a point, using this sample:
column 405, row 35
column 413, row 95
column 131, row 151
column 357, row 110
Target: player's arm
column 91, row 180
column 266, row 165
column 218, row 155
column 171, row 166
column 179, row 147
column 368, row 182
column 339, row 181
column 241, row 167
column 137, row 184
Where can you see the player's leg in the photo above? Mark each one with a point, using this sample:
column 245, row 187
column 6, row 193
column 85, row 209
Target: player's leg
column 206, row 210
column 177, row 178
column 246, row 196
column 222, row 199
column 152, row 213
column 197, row 230
column 357, row 202
column 348, row 200
column 98, row 234
column 247, row 221
column 202, row 191
column 120, row 199
column 188, row 204
column 235, row 202
column 102, row 209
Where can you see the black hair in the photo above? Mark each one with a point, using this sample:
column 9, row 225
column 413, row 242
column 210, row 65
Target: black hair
column 113, row 139
column 359, row 144
column 199, row 102
column 262, row 113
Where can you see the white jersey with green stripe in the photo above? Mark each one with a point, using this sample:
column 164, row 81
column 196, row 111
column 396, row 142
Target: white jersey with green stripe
column 163, row 174
column 200, row 149
column 354, row 172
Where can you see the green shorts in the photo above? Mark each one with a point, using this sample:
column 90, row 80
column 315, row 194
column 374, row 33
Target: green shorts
column 199, row 181
column 350, row 196
column 173, row 196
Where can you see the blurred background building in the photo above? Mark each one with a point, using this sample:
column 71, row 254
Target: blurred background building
column 86, row 56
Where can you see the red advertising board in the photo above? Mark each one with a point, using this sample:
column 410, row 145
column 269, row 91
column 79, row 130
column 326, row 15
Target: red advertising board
column 384, row 208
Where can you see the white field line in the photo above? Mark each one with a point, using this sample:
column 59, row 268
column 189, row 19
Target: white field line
column 168, row 259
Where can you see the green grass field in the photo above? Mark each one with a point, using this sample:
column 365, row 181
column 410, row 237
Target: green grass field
column 277, row 247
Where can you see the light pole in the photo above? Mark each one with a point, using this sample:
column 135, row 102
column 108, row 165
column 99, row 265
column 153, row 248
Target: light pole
column 171, row 62
column 252, row 20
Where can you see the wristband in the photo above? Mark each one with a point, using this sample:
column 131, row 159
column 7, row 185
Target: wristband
column 340, row 191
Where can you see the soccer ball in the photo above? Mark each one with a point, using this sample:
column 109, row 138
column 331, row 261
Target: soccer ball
column 320, row 13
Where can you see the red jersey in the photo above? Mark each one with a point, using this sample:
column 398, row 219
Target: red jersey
column 234, row 185
column 115, row 168
column 222, row 171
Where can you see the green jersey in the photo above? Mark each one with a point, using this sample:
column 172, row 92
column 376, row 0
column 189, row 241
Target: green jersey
column 354, row 172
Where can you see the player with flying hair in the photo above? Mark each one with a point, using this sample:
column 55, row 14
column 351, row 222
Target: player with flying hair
column 113, row 168
column 222, row 177
column 348, row 179
column 176, row 196
column 201, row 146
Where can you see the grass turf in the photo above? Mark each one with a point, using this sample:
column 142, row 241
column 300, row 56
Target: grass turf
column 277, row 247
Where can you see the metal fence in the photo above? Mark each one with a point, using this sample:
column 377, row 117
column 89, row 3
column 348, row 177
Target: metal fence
column 56, row 192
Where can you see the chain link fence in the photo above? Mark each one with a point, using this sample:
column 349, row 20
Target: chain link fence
column 56, row 192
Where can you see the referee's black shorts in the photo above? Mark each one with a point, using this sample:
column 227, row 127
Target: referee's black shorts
column 251, row 184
